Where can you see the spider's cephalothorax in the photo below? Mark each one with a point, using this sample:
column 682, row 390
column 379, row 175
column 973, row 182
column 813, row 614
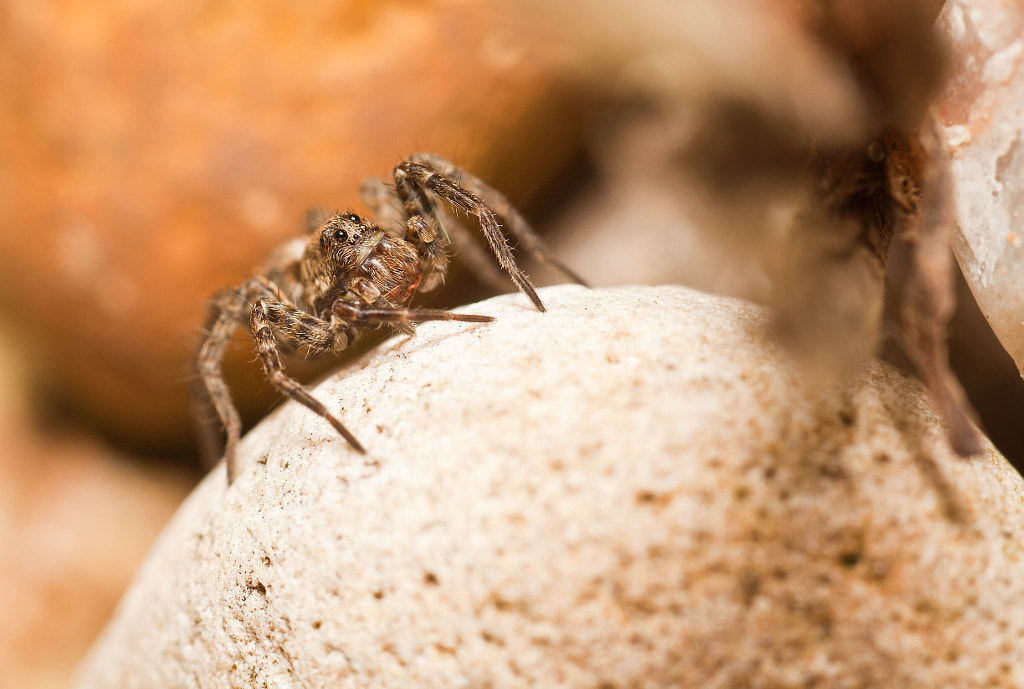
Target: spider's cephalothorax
column 354, row 260
column 317, row 294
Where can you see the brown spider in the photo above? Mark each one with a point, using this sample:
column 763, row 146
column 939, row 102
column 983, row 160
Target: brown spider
column 900, row 188
column 318, row 294
column 868, row 197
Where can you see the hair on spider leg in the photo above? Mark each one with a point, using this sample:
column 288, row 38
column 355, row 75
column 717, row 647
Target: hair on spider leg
column 351, row 275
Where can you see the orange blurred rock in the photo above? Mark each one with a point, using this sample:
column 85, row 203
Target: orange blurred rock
column 154, row 153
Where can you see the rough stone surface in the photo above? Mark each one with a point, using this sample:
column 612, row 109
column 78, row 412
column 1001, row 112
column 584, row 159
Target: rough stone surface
column 634, row 489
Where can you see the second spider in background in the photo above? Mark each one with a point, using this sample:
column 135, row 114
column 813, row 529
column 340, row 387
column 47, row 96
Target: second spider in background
column 317, row 294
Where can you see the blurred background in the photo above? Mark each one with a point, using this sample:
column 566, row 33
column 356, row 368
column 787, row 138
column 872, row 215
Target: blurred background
column 153, row 153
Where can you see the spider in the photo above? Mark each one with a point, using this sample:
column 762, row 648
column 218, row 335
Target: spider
column 862, row 198
column 317, row 294
column 900, row 188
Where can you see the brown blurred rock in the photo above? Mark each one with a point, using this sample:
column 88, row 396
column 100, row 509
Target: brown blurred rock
column 152, row 154
column 75, row 520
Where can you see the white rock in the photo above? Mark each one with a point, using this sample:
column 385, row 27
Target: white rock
column 631, row 490
column 983, row 110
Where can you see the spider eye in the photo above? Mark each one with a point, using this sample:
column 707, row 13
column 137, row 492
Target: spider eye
column 332, row 235
column 352, row 217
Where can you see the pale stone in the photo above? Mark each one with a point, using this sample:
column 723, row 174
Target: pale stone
column 982, row 112
column 634, row 489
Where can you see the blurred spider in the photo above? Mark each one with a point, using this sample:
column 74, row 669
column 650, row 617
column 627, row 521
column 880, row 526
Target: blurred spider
column 319, row 293
column 835, row 209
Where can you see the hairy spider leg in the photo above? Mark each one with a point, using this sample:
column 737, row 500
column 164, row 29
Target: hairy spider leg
column 356, row 313
column 414, row 180
column 266, row 309
column 922, row 194
column 227, row 311
column 515, row 223
column 389, row 211
column 391, row 214
column 314, row 334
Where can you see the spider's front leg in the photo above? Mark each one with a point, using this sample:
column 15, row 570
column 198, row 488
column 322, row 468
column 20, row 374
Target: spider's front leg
column 414, row 180
column 515, row 223
column 304, row 331
column 226, row 312
column 369, row 315
column 424, row 227
column 921, row 185
column 267, row 311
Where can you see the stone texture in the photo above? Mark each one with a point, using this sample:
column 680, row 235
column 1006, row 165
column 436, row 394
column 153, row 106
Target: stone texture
column 152, row 154
column 635, row 489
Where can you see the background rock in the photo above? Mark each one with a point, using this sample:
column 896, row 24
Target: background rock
column 982, row 109
column 76, row 519
column 153, row 154
column 149, row 154
column 633, row 489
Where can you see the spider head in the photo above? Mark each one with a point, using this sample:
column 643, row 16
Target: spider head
column 343, row 240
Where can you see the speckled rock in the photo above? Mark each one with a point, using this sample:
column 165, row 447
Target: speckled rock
column 635, row 489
